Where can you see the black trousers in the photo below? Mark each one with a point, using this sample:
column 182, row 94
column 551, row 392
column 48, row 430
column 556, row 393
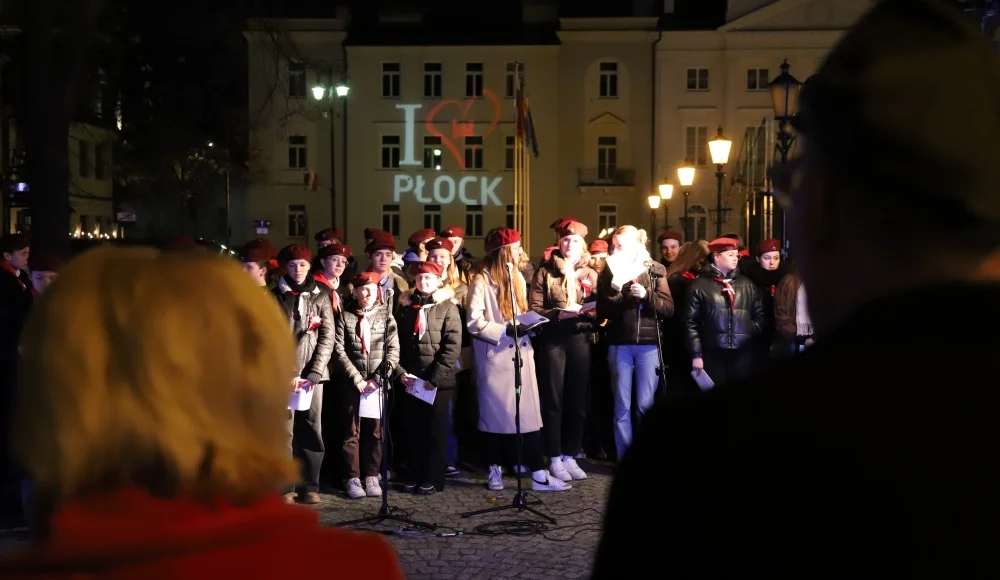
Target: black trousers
column 726, row 366
column 563, row 375
column 305, row 441
column 425, row 438
column 600, row 403
column 501, row 449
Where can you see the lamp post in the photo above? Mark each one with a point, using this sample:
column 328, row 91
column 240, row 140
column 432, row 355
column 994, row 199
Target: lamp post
column 685, row 176
column 337, row 91
column 719, row 149
column 784, row 99
column 666, row 192
column 654, row 204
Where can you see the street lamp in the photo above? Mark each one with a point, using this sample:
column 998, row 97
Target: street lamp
column 654, row 204
column 719, row 149
column 784, row 99
column 685, row 176
column 666, row 193
column 341, row 90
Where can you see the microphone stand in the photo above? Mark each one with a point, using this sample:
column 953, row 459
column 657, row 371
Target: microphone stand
column 385, row 512
column 662, row 368
column 520, row 501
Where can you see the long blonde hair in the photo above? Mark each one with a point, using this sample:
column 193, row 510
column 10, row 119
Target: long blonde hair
column 495, row 268
column 164, row 386
column 690, row 257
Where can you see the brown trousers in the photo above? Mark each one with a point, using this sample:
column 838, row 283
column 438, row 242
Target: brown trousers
column 362, row 446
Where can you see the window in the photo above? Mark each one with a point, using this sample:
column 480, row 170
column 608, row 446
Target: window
column 390, row 80
column 101, row 161
column 297, row 158
column 607, row 157
column 757, row 79
column 432, row 217
column 696, row 144
column 390, row 219
column 84, row 158
column 390, row 152
column 474, row 152
column 298, row 221
column 510, row 83
column 697, row 79
column 474, row 221
column 510, row 216
column 607, row 217
column 296, row 80
column 696, row 225
column 432, row 152
column 432, row 80
column 508, row 153
column 609, row 80
column 473, row 79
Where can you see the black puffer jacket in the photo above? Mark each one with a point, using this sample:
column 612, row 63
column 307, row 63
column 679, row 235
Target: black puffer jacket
column 354, row 367
column 311, row 322
column 433, row 358
column 712, row 323
column 631, row 321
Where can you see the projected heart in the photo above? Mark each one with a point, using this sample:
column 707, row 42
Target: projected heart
column 456, row 114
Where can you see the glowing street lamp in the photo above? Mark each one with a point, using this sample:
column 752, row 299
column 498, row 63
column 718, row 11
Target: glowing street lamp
column 719, row 148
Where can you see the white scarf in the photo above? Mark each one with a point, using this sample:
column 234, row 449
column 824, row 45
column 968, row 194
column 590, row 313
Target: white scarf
column 803, row 324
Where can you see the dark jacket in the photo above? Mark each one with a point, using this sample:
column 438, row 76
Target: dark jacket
column 712, row 322
column 351, row 364
column 547, row 294
column 631, row 321
column 312, row 326
column 821, row 470
column 432, row 358
column 15, row 302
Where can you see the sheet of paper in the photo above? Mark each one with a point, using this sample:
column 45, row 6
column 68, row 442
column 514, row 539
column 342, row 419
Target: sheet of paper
column 571, row 308
column 702, row 379
column 587, row 306
column 531, row 319
column 371, row 405
column 420, row 391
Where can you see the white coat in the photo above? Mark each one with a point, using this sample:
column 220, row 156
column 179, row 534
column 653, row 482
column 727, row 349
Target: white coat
column 494, row 352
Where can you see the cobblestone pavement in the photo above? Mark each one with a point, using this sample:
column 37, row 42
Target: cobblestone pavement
column 564, row 550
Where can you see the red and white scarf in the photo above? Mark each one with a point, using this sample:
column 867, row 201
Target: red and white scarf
column 728, row 290
column 420, row 324
column 364, row 331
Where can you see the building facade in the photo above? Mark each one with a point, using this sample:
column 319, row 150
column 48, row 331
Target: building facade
column 711, row 79
column 430, row 131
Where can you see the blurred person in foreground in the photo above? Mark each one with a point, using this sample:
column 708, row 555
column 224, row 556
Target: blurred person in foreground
column 869, row 455
column 156, row 439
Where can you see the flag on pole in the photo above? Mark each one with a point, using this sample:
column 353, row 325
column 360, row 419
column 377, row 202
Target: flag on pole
column 525, row 124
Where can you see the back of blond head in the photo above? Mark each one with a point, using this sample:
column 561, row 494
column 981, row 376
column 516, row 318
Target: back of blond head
column 640, row 235
column 167, row 372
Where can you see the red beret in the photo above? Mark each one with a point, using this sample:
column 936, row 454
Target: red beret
column 181, row 242
column 365, row 278
column 671, row 235
column 719, row 245
column 502, row 237
column 420, row 237
column 266, row 246
column 770, row 245
column 439, row 244
column 370, row 233
column 330, row 235
column 427, row 268
column 453, row 232
column 334, row 249
column 381, row 240
column 43, row 261
column 598, row 247
column 254, row 253
column 294, row 252
column 561, row 222
column 571, row 228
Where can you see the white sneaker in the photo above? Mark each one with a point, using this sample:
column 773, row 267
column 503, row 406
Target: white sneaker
column 523, row 469
column 558, row 470
column 573, row 468
column 541, row 481
column 354, row 489
column 495, row 480
column 372, row 487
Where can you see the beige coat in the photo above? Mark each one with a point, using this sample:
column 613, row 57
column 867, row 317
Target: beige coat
column 494, row 352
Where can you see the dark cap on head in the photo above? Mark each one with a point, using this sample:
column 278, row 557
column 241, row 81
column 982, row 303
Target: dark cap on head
column 908, row 105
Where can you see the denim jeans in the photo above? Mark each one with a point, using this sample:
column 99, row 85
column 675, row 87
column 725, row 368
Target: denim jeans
column 632, row 365
column 451, row 453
